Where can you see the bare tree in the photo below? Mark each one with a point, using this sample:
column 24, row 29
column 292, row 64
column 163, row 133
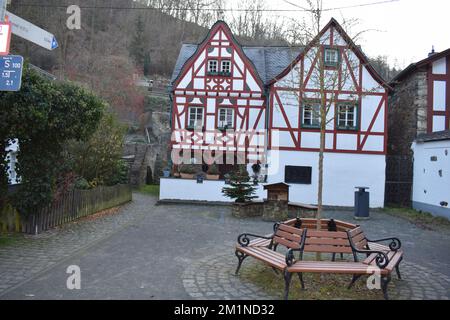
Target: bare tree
column 306, row 32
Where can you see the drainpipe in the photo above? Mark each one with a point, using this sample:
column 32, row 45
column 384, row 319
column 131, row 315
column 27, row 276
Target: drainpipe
column 267, row 95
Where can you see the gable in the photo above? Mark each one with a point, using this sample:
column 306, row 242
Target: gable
column 352, row 58
column 219, row 46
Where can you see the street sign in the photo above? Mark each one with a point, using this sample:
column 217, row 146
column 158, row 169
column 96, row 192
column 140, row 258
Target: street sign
column 5, row 38
column 30, row 32
column 11, row 73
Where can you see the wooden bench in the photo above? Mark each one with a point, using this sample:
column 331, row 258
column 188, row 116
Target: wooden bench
column 263, row 248
column 379, row 258
column 307, row 239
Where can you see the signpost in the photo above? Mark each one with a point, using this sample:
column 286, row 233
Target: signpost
column 11, row 73
column 5, row 37
column 30, row 32
column 2, row 9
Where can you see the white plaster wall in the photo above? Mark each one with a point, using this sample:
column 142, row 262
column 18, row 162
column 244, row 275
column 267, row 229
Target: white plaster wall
column 428, row 186
column 342, row 173
column 188, row 189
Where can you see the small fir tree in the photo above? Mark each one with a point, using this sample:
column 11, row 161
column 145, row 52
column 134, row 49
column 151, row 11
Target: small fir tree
column 240, row 187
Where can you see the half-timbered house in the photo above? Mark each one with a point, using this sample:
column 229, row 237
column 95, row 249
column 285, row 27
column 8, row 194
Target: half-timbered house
column 419, row 105
column 261, row 104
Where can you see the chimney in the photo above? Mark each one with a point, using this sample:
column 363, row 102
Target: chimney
column 432, row 53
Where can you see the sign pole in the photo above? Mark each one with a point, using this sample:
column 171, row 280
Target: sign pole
column 2, row 9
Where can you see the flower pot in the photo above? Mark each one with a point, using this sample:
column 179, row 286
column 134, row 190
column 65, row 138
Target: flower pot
column 212, row 176
column 187, row 175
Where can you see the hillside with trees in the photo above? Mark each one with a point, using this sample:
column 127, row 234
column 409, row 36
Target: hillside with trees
column 121, row 40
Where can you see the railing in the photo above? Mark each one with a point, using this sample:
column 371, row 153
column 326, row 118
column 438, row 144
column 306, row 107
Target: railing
column 74, row 205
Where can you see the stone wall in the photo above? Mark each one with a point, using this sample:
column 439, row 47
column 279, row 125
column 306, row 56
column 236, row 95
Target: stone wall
column 407, row 117
column 407, row 112
column 270, row 210
column 248, row 210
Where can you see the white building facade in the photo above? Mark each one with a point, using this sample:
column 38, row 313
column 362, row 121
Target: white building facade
column 270, row 97
column 431, row 184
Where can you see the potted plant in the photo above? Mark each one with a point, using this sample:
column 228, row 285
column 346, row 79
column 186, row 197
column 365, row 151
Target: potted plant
column 187, row 171
column 213, row 172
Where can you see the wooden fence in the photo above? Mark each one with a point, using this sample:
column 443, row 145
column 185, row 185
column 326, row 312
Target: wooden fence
column 74, row 205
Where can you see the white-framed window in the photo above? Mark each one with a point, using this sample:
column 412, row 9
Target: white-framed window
column 311, row 115
column 195, row 117
column 331, row 57
column 225, row 66
column 226, row 118
column 347, row 117
column 213, row 66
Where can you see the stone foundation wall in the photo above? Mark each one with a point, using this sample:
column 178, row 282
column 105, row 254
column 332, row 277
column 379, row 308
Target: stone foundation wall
column 270, row 211
column 248, row 210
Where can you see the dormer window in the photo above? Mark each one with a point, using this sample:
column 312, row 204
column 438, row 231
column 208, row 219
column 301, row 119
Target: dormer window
column 331, row 57
column 213, row 66
column 226, row 67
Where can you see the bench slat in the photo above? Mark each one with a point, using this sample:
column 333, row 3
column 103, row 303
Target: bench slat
column 286, row 228
column 286, row 243
column 326, row 234
column 289, row 236
column 355, row 231
column 327, row 249
column 327, row 241
column 335, row 267
column 268, row 256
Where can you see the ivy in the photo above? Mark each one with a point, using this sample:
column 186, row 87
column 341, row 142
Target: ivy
column 43, row 115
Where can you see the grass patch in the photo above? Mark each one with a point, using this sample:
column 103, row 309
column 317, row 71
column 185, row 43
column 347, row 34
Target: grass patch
column 317, row 286
column 424, row 220
column 6, row 240
column 152, row 190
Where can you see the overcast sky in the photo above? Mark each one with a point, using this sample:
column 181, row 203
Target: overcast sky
column 407, row 28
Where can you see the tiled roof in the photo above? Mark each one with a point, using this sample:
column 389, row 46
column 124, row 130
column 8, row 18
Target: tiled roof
column 435, row 136
column 269, row 61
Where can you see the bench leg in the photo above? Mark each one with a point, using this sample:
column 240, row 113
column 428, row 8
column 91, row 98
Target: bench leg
column 275, row 247
column 397, row 269
column 354, row 279
column 342, row 256
column 384, row 285
column 333, row 257
column 300, row 277
column 287, row 284
column 241, row 256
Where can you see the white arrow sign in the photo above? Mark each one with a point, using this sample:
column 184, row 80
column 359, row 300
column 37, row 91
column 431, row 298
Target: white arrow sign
column 30, row 32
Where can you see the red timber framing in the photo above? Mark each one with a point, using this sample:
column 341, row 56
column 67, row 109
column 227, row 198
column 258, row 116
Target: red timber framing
column 354, row 77
column 431, row 77
column 241, row 90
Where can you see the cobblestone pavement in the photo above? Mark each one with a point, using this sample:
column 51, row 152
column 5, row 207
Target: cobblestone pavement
column 213, row 278
column 31, row 254
column 148, row 251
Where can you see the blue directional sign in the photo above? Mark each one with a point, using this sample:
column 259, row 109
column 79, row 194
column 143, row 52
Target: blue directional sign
column 11, row 73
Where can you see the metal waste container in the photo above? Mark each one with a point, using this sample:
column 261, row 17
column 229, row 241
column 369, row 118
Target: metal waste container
column 361, row 203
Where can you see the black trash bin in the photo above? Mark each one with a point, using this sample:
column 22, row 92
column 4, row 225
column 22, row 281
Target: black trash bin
column 361, row 203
